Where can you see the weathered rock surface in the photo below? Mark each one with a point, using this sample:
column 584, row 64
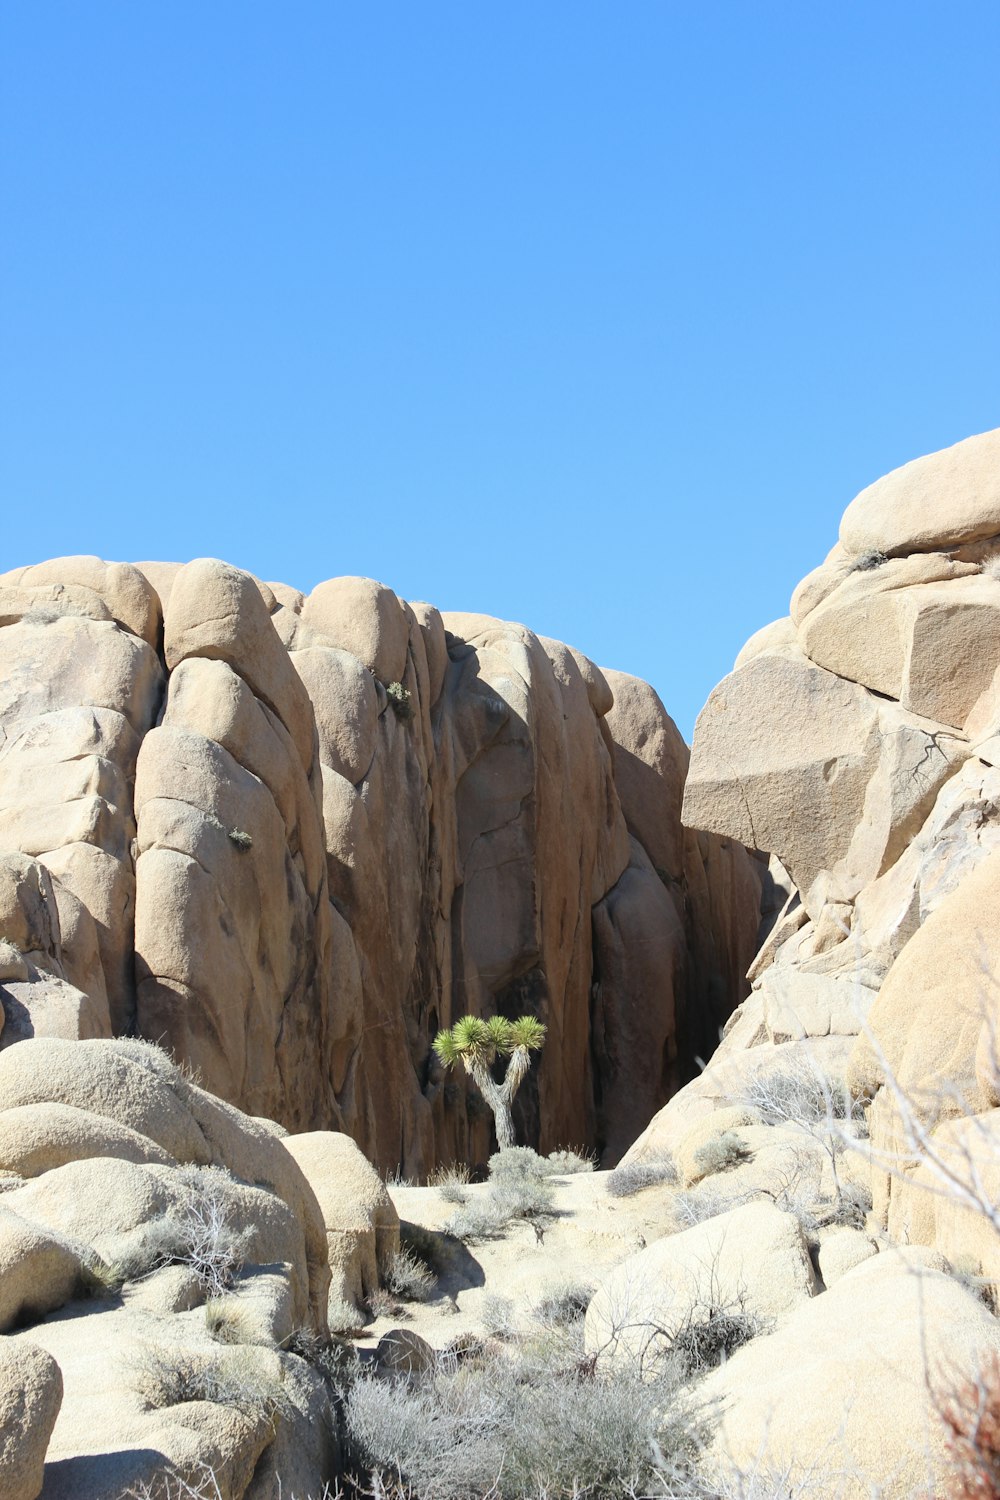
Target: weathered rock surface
column 31, row 1390
column 292, row 837
column 865, row 755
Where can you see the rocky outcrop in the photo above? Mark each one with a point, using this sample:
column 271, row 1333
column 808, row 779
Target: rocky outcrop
column 293, row 837
column 858, row 740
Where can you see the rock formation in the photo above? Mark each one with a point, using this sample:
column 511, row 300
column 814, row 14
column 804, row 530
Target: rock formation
column 292, row 837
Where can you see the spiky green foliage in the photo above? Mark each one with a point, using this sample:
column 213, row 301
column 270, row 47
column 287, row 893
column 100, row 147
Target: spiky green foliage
column 477, row 1044
column 527, row 1033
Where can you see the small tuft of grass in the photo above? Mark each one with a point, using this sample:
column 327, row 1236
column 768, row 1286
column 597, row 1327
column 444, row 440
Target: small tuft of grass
column 634, row 1176
column 172, row 1378
column 400, row 700
column 528, row 1200
column 240, row 838
column 335, row 1360
column 497, row 1315
column 567, row 1163
column 451, row 1182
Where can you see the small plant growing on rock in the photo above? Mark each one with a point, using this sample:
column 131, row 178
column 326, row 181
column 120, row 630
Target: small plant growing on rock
column 240, row 838
column 477, row 1044
column 722, row 1152
column 402, row 703
column 868, row 561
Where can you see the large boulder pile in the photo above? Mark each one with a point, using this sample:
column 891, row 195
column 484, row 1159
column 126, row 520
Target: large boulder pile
column 858, row 1086
column 291, row 837
column 164, row 1273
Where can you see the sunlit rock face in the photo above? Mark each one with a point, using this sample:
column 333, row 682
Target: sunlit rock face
column 293, row 836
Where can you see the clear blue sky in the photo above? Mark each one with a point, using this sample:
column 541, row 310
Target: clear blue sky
column 590, row 315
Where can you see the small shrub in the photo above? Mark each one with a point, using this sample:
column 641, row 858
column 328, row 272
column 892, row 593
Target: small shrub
column 569, row 1163
column 197, row 1234
column 240, row 838
column 170, row 1379
column 565, row 1304
column 507, row 1201
column 967, row 1270
column 451, row 1182
column 868, row 561
column 518, row 1164
column 632, row 1178
column 334, row 1359
column 400, row 700
column 382, row 1304
column 852, row 1207
column 497, row 1314
column 509, row 1426
column 408, row 1277
column 231, row 1321
column 9, row 952
column 721, row 1153
column 712, row 1334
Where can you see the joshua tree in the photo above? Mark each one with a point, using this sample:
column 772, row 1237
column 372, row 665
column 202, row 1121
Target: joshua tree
column 477, row 1044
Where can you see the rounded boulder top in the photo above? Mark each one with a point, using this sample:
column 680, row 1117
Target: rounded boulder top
column 942, row 500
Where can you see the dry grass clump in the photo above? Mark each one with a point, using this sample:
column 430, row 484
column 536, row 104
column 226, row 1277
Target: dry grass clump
column 408, row 1277
column 721, row 1153
column 564, row 1305
column 451, row 1182
column 634, row 1176
column 508, row 1201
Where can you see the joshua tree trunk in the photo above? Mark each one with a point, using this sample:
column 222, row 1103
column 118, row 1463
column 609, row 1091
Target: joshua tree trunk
column 500, row 1096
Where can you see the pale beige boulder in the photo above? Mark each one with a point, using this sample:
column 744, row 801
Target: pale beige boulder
column 851, row 1386
column 840, row 1250
column 39, row 1268
column 87, row 663
column 435, row 646
column 799, row 1004
column 35, row 1138
column 942, row 500
column 924, row 1028
column 31, row 1390
column 29, row 912
column 755, row 1256
column 363, row 617
column 217, row 611
column 650, row 764
column 122, row 588
column 46, row 601
column 362, row 1225
column 949, row 1199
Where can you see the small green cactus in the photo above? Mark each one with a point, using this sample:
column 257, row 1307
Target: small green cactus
column 476, row 1044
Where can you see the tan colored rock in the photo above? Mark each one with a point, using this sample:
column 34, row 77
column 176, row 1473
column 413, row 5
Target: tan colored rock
column 897, row 1336
column 122, row 588
column 650, row 764
column 217, row 612
column 39, row 1270
column 363, row 617
column 160, row 576
column 939, row 501
column 791, row 758
column 820, row 583
column 35, row 1138
column 43, row 1005
column 948, row 1200
column 770, row 640
column 755, row 1255
column 435, row 646
column 931, row 645
column 689, row 1154
column 362, row 1226
column 31, row 1391
column 345, row 702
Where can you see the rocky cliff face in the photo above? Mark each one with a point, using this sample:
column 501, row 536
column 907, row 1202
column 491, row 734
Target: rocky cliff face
column 291, row 837
column 859, row 739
